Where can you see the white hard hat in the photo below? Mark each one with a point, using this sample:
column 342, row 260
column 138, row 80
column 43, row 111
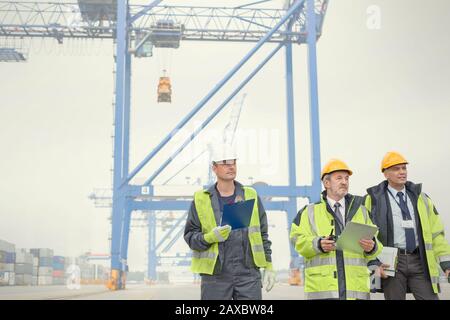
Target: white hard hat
column 222, row 152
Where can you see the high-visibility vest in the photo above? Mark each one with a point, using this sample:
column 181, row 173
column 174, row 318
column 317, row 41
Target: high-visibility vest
column 204, row 261
column 436, row 246
column 321, row 278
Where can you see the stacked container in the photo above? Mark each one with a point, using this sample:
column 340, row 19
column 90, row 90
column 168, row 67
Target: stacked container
column 58, row 270
column 23, row 268
column 7, row 260
column 87, row 273
column 45, row 266
column 34, row 280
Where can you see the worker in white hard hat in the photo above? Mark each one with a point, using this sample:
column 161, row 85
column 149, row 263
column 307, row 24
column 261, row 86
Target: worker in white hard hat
column 228, row 260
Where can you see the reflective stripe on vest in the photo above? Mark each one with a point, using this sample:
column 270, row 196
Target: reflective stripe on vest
column 430, row 254
column 318, row 261
column 254, row 230
column 358, row 295
column 322, row 295
column 444, row 258
column 335, row 295
column 258, row 248
column 434, row 235
column 365, row 214
column 312, row 219
column 425, row 201
column 434, row 280
column 204, row 255
column 355, row 262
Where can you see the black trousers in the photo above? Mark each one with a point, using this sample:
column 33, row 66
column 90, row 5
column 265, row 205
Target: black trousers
column 410, row 274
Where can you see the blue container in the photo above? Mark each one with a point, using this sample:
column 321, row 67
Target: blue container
column 58, row 260
column 46, row 262
column 10, row 257
column 58, row 266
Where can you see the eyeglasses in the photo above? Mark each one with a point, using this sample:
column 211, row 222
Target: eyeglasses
column 229, row 162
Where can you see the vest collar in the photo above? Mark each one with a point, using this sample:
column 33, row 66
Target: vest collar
column 212, row 190
column 381, row 188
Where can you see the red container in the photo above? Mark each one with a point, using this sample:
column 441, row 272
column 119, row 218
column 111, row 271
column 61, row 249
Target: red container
column 58, row 274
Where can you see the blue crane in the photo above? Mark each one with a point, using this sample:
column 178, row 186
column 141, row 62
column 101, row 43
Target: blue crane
column 136, row 26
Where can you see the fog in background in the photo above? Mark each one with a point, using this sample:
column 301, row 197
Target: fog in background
column 383, row 85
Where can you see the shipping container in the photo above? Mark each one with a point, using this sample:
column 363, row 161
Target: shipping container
column 35, row 252
column 7, row 278
column 12, row 279
column 42, row 252
column 58, row 273
column 58, row 259
column 10, row 257
column 7, row 267
column 45, row 262
column 24, row 257
column 22, row 268
column 45, row 271
column 45, row 253
column 58, row 266
column 24, row 279
column 45, row 280
column 59, row 281
column 4, row 278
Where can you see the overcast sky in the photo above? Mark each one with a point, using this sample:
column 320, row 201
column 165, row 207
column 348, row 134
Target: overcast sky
column 380, row 89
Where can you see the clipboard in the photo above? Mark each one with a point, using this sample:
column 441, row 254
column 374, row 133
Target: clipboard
column 238, row 214
column 349, row 238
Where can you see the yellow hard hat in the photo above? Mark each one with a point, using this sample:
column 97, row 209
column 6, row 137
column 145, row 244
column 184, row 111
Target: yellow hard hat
column 335, row 165
column 392, row 158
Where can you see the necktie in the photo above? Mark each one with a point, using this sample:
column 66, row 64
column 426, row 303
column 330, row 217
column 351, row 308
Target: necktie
column 409, row 232
column 337, row 213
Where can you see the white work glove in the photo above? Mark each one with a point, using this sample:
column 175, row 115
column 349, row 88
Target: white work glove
column 218, row 234
column 269, row 277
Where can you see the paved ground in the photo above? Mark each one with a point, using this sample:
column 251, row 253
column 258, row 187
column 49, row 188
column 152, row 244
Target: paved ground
column 181, row 291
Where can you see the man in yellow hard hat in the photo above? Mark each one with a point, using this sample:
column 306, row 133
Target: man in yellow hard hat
column 332, row 273
column 408, row 220
column 228, row 260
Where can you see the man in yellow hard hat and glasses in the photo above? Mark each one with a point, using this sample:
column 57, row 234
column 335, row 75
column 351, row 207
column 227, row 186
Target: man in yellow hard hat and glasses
column 332, row 273
column 408, row 220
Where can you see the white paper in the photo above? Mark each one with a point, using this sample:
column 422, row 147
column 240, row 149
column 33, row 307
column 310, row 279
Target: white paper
column 389, row 256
